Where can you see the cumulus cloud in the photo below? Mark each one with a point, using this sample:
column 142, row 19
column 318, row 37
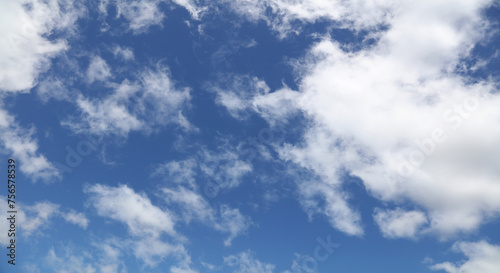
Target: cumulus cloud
column 26, row 50
column 147, row 224
column 123, row 204
column 481, row 257
column 399, row 223
column 397, row 114
column 125, row 53
column 76, row 218
column 19, row 142
column 143, row 105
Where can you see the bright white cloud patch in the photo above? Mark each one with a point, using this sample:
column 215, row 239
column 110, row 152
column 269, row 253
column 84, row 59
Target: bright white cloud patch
column 481, row 257
column 399, row 116
column 26, row 51
column 146, row 224
column 143, row 105
column 135, row 210
column 399, row 223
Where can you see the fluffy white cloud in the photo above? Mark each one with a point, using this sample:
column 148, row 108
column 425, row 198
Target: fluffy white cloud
column 140, row 14
column 146, row 104
column 482, row 257
column 26, row 50
column 76, row 218
column 35, row 218
column 146, row 224
column 399, row 223
column 20, row 144
column 281, row 14
column 143, row 14
column 98, row 70
column 396, row 114
column 123, row 204
column 245, row 262
column 313, row 193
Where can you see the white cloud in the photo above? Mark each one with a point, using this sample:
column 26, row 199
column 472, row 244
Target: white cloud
column 367, row 108
column 233, row 222
column 140, row 14
column 194, row 207
column 104, row 257
column 482, row 257
column 340, row 215
column 281, row 14
column 245, row 262
column 399, row 223
column 180, row 172
column 235, row 93
column 123, row 204
column 147, row 224
column 20, row 144
column 144, row 105
column 224, row 168
column 76, row 218
column 37, row 217
column 143, row 14
column 98, row 70
column 69, row 263
column 126, row 53
column 26, row 50
column 105, row 117
column 52, row 88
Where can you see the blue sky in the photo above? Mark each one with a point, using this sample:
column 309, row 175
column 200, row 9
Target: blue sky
column 251, row 136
